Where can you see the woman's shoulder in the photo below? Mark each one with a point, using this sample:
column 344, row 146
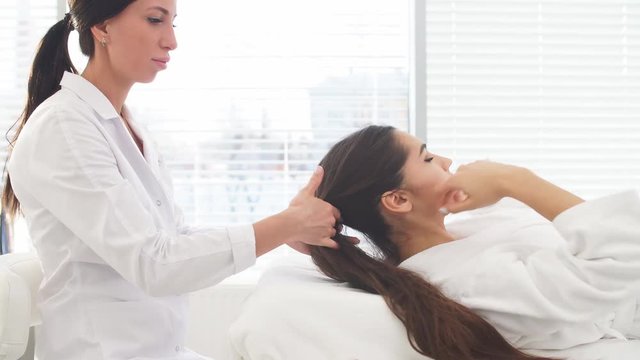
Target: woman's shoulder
column 63, row 113
column 63, row 105
column 59, row 120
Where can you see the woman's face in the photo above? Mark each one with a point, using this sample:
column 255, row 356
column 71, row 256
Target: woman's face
column 140, row 39
column 424, row 174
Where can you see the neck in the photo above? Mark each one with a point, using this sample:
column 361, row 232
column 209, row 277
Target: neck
column 106, row 80
column 415, row 237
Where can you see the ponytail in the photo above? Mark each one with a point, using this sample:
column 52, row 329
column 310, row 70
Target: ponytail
column 437, row 326
column 51, row 61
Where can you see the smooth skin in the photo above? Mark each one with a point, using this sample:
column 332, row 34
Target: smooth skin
column 486, row 182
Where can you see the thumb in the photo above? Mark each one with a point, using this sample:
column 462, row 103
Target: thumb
column 314, row 182
column 458, row 206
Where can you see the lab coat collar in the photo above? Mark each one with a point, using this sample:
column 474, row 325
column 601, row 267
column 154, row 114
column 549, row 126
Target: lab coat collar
column 90, row 94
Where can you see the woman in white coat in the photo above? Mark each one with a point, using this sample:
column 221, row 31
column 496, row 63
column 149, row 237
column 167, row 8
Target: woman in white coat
column 117, row 258
column 570, row 276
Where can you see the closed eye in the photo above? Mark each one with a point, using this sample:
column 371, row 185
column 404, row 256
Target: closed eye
column 428, row 159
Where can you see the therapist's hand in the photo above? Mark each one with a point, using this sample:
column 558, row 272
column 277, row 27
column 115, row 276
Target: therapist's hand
column 308, row 221
column 314, row 220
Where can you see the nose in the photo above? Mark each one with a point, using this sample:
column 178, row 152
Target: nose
column 446, row 163
column 169, row 40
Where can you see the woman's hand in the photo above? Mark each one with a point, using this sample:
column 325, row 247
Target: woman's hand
column 314, row 220
column 483, row 183
column 480, row 184
column 307, row 221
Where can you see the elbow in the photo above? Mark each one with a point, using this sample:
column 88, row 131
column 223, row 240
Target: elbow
column 154, row 279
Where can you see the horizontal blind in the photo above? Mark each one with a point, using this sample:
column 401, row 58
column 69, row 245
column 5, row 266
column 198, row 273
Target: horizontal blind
column 22, row 24
column 552, row 85
column 257, row 92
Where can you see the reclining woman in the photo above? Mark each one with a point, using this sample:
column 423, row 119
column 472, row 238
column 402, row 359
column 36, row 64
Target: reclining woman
column 488, row 297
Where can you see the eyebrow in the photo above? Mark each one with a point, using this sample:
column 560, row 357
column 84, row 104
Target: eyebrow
column 161, row 9
column 423, row 147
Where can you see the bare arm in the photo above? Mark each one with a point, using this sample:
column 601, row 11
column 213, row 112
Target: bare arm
column 485, row 182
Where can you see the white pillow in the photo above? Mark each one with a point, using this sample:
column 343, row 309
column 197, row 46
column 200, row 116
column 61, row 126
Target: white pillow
column 297, row 313
column 20, row 276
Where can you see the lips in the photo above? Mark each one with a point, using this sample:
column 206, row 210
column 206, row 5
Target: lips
column 161, row 62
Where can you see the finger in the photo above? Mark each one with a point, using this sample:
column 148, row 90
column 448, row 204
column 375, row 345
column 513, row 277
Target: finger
column 300, row 247
column 336, row 214
column 456, row 207
column 450, row 197
column 339, row 227
column 314, row 182
column 303, row 248
column 460, row 196
column 328, row 242
column 352, row 239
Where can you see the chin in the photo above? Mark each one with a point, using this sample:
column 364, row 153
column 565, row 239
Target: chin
column 147, row 79
column 145, row 76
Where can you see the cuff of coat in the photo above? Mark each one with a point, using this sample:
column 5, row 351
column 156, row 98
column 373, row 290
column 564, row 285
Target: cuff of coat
column 243, row 246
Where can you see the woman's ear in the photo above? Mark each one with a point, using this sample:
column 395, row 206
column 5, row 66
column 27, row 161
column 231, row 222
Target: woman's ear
column 396, row 201
column 100, row 33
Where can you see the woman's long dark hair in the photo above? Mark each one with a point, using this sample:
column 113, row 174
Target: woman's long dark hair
column 52, row 60
column 358, row 170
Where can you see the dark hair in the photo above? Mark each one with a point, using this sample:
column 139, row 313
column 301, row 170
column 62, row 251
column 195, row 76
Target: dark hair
column 52, row 60
column 358, row 170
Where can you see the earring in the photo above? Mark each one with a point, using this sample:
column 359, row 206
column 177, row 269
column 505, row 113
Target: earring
column 103, row 42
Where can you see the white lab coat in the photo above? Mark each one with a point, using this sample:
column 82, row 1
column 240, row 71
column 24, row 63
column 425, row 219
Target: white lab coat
column 546, row 285
column 117, row 260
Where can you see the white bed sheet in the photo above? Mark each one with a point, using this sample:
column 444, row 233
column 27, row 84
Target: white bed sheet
column 297, row 313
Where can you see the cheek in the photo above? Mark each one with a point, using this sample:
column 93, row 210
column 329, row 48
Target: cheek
column 134, row 58
column 137, row 48
column 429, row 190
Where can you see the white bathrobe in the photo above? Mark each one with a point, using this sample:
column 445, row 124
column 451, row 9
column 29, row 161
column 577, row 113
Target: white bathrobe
column 545, row 285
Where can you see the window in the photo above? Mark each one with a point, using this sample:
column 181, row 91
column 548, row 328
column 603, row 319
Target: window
column 552, row 85
column 22, row 25
column 263, row 93
column 252, row 99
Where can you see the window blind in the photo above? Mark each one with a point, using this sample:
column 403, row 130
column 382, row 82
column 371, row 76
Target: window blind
column 254, row 95
column 552, row 85
column 22, row 25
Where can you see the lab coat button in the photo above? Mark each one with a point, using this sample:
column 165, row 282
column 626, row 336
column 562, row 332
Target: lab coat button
column 158, row 202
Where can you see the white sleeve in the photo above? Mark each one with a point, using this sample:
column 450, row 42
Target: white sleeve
column 604, row 235
column 74, row 175
column 538, row 293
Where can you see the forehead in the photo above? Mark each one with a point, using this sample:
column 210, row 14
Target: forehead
column 408, row 141
column 142, row 5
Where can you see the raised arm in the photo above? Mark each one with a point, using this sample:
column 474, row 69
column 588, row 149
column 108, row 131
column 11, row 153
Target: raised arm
column 484, row 183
